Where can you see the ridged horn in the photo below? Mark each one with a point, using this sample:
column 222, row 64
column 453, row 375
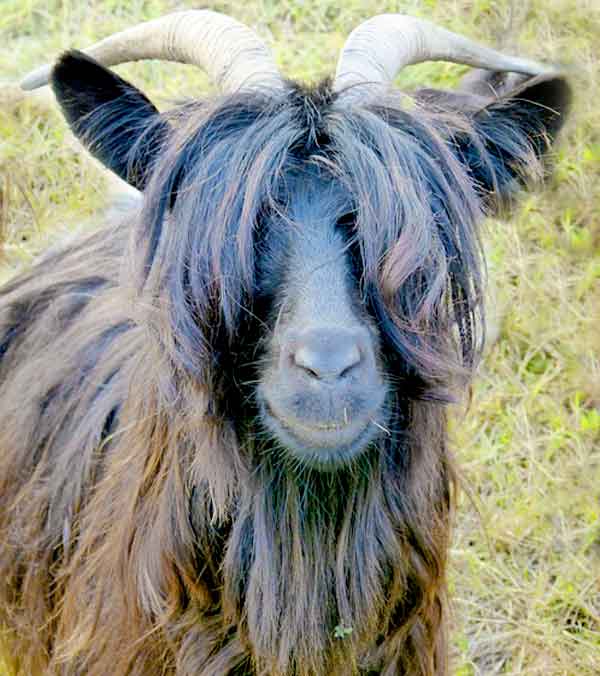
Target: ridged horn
column 379, row 48
column 232, row 55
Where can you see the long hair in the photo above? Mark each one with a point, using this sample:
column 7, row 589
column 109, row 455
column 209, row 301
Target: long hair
column 151, row 525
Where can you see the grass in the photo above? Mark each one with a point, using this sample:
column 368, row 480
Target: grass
column 525, row 568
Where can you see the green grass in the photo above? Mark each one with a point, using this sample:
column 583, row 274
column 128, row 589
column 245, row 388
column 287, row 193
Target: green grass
column 525, row 568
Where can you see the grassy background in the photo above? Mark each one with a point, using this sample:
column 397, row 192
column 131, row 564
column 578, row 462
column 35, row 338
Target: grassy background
column 526, row 563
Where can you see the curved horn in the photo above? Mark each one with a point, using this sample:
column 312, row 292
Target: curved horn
column 233, row 56
column 378, row 49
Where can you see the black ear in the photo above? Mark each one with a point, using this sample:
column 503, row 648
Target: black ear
column 512, row 133
column 491, row 84
column 112, row 118
column 513, row 120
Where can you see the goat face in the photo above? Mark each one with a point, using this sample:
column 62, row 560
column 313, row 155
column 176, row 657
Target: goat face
column 350, row 233
column 322, row 389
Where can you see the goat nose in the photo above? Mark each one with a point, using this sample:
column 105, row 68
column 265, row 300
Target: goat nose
column 327, row 354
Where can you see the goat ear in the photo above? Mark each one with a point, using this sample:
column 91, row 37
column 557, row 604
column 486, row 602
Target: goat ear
column 476, row 90
column 113, row 119
column 512, row 132
column 491, row 84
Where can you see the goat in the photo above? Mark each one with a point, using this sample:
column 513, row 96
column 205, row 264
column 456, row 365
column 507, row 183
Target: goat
column 223, row 443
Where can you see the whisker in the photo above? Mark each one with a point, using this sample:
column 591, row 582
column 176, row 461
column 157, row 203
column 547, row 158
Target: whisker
column 381, row 427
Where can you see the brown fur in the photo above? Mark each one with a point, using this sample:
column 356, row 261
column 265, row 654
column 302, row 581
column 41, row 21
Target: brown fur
column 137, row 580
column 148, row 524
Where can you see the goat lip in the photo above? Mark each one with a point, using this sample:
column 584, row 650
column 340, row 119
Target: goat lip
column 326, row 434
column 318, row 447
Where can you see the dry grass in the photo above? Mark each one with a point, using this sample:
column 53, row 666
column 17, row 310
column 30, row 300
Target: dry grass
column 525, row 572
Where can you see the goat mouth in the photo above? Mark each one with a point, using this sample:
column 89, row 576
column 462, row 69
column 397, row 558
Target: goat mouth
column 323, row 446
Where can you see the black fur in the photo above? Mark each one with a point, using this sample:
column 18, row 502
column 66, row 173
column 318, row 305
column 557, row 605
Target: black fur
column 113, row 119
column 153, row 523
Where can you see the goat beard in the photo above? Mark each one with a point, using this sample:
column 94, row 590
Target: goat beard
column 227, row 564
column 344, row 571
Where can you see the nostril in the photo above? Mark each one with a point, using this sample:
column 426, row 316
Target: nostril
column 327, row 354
column 311, row 372
column 315, row 374
column 350, row 368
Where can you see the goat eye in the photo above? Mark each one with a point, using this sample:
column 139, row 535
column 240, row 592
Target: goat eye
column 346, row 224
column 347, row 221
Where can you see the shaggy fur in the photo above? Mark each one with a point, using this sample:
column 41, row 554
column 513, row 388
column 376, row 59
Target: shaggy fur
column 150, row 525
